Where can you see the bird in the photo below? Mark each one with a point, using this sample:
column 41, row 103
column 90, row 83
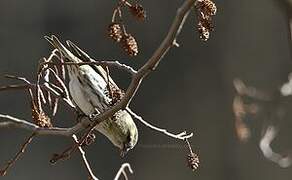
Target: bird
column 89, row 89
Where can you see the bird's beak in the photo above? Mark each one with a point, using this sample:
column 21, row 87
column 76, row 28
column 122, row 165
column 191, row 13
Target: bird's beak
column 125, row 150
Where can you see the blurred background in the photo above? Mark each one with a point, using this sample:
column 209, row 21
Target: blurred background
column 191, row 89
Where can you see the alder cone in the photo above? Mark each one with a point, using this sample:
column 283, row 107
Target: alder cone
column 39, row 117
column 203, row 31
column 207, row 7
column 193, row 161
column 130, row 45
column 115, row 32
column 138, row 11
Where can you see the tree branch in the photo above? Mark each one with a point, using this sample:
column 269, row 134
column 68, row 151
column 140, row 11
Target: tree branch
column 14, row 122
column 122, row 171
column 151, row 64
column 85, row 124
column 269, row 153
column 86, row 163
column 17, row 156
column 137, row 78
column 181, row 136
column 116, row 64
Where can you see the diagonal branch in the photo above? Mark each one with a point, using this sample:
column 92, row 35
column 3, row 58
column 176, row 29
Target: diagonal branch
column 137, row 78
column 151, row 64
column 10, row 163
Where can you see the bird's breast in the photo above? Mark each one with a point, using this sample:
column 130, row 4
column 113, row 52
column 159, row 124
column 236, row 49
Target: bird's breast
column 79, row 97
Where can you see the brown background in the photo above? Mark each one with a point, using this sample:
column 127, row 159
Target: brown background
column 191, row 89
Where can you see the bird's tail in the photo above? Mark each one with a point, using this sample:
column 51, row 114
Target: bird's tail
column 69, row 56
column 75, row 54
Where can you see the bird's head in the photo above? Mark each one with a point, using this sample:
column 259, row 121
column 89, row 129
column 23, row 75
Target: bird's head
column 121, row 131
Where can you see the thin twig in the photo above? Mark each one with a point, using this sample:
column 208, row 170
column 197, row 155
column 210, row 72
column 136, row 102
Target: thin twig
column 15, row 87
column 10, row 163
column 122, row 171
column 180, row 136
column 66, row 154
column 64, row 95
column 189, row 146
column 27, row 86
column 137, row 78
column 265, row 146
column 24, row 124
column 117, row 64
column 86, row 163
column 151, row 64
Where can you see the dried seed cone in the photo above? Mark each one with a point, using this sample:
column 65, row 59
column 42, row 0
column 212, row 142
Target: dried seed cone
column 207, row 23
column 138, row 11
column 205, row 10
column 193, row 161
column 207, row 7
column 115, row 32
column 89, row 139
column 117, row 95
column 39, row 117
column 44, row 120
column 203, row 31
column 130, row 45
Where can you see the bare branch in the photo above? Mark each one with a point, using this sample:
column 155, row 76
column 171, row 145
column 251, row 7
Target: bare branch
column 27, row 86
column 11, row 121
column 122, row 171
column 180, row 136
column 10, row 163
column 137, row 78
column 56, row 91
column 117, row 64
column 151, row 64
column 189, row 146
column 66, row 154
column 15, row 87
column 265, row 146
column 86, row 163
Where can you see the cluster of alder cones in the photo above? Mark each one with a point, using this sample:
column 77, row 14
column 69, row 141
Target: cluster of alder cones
column 117, row 30
column 205, row 9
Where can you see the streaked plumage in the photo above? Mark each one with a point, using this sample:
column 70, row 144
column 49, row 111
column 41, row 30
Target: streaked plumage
column 88, row 88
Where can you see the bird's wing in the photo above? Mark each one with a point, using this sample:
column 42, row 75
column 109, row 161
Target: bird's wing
column 86, row 58
column 75, row 54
